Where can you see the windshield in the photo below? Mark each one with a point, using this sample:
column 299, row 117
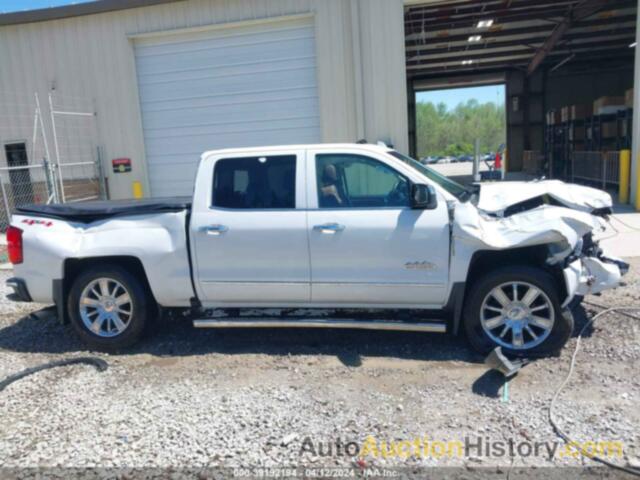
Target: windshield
column 454, row 188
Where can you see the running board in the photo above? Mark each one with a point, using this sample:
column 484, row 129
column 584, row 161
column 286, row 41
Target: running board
column 244, row 322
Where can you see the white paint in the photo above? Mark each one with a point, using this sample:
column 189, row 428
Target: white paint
column 263, row 255
column 496, row 196
column 158, row 240
column 365, row 262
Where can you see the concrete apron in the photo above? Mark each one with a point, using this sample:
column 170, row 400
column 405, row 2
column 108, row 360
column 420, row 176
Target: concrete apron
column 622, row 236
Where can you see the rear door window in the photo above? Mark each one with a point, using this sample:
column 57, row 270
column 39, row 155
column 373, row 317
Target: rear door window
column 251, row 183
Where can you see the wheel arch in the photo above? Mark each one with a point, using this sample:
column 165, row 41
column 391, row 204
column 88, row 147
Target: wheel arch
column 72, row 267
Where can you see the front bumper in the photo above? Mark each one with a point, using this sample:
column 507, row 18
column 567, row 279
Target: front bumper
column 20, row 291
column 589, row 275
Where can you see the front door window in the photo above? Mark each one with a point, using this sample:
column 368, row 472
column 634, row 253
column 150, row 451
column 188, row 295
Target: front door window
column 356, row 181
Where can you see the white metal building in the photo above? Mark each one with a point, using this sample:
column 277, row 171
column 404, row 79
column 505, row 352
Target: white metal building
column 170, row 79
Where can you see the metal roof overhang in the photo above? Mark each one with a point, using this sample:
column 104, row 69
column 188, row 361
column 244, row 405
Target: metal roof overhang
column 524, row 35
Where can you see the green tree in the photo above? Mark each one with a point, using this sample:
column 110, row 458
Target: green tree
column 440, row 131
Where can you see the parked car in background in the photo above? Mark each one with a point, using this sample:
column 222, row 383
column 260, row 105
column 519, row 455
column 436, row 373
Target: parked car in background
column 465, row 158
column 322, row 226
column 429, row 160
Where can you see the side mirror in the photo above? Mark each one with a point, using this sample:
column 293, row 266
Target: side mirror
column 423, row 197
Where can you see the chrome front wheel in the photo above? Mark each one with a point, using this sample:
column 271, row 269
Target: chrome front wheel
column 517, row 315
column 106, row 307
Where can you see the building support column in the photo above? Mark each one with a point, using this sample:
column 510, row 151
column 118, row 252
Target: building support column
column 635, row 138
column 356, row 39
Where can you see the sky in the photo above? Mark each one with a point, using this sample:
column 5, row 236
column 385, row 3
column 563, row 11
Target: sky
column 19, row 5
column 452, row 97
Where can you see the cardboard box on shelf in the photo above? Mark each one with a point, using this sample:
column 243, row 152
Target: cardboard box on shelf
column 607, row 105
column 628, row 98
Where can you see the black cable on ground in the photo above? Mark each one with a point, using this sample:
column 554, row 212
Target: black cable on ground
column 599, row 305
column 556, row 428
column 100, row 364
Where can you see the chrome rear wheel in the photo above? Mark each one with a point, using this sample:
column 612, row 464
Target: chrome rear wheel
column 106, row 307
column 109, row 306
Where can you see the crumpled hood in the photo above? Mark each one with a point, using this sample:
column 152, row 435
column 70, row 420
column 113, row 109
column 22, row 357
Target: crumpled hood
column 496, row 197
column 543, row 225
column 560, row 225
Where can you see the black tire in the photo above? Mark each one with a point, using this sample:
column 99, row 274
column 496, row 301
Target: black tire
column 140, row 308
column 575, row 302
column 478, row 338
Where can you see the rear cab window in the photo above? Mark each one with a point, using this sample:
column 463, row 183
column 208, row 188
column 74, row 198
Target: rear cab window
column 250, row 183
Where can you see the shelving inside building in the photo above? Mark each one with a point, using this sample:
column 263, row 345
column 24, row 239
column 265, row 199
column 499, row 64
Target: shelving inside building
column 582, row 142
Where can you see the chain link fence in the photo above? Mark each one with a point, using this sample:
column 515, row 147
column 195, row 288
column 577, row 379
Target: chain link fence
column 24, row 173
column 48, row 156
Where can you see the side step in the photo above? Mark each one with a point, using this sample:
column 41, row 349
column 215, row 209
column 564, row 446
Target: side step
column 258, row 322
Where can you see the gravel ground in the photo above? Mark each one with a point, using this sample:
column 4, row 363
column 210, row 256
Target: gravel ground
column 251, row 398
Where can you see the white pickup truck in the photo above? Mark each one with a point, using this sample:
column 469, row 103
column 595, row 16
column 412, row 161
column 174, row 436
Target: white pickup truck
column 348, row 226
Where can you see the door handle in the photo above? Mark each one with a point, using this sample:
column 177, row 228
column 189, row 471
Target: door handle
column 215, row 229
column 330, row 228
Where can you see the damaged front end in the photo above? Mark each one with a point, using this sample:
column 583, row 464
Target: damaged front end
column 590, row 271
column 561, row 218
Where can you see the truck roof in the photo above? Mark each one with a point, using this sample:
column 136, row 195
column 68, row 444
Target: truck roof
column 365, row 147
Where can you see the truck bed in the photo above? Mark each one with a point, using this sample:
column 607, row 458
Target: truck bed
column 87, row 212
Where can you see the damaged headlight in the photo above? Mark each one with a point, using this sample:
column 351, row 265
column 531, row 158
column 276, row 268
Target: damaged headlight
column 559, row 252
column 585, row 247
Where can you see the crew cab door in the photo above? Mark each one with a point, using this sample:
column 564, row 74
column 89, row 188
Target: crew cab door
column 368, row 246
column 248, row 230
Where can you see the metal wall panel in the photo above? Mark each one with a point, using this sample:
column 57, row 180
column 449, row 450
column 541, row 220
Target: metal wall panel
column 93, row 57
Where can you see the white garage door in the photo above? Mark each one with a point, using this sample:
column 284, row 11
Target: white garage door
column 235, row 87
